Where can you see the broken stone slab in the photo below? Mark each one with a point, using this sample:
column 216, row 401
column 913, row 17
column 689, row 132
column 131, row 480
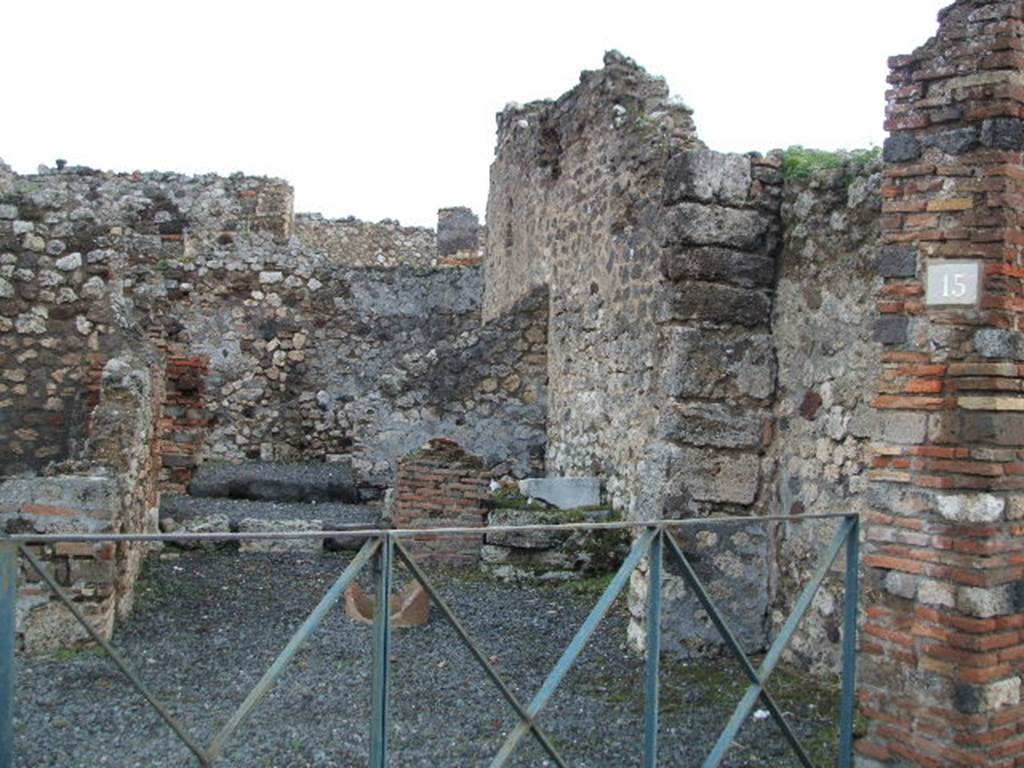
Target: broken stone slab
column 313, row 545
column 563, row 492
column 212, row 523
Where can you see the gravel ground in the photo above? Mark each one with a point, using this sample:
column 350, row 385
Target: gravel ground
column 207, row 625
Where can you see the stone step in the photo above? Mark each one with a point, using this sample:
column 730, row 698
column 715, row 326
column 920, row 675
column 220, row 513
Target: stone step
column 289, row 483
column 192, row 514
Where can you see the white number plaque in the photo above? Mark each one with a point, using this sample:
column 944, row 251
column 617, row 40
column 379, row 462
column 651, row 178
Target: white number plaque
column 953, row 283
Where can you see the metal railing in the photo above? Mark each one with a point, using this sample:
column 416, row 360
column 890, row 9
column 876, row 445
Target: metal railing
column 654, row 541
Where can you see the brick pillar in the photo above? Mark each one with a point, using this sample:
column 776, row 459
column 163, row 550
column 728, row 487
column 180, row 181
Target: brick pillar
column 185, row 419
column 441, row 486
column 942, row 647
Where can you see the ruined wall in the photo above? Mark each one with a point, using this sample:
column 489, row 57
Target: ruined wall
column 356, row 243
column 575, row 191
column 72, row 247
column 659, row 257
column 312, row 361
column 283, row 342
column 111, row 488
column 828, row 363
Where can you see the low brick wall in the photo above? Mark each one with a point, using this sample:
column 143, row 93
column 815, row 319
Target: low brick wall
column 438, row 486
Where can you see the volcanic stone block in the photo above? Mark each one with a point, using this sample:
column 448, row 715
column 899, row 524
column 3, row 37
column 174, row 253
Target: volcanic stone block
column 720, row 265
column 716, row 476
column 721, row 304
column 891, row 330
column 898, row 261
column 708, row 176
column 731, row 561
column 277, row 482
column 709, row 364
column 901, row 148
column 722, row 425
column 699, row 224
column 1003, row 133
column 458, row 230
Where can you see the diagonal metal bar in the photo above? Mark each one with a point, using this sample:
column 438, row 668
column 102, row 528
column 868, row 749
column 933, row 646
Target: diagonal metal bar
column 757, row 682
column 262, row 688
column 478, row 654
column 851, row 600
column 568, row 657
column 381, row 655
column 204, row 759
column 652, row 662
column 774, row 655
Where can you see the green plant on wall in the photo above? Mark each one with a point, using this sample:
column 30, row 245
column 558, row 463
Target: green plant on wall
column 801, row 163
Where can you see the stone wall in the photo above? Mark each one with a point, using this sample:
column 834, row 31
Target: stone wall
column 354, row 243
column 286, row 340
column 88, row 264
column 659, row 258
column 828, row 362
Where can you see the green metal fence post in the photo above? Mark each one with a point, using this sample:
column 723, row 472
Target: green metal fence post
column 8, row 601
column 381, row 655
column 851, row 599
column 654, row 561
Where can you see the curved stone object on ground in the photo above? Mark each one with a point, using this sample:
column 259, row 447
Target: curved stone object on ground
column 409, row 608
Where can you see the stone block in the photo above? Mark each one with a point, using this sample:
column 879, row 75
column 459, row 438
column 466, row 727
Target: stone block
column 900, row 584
column 458, row 230
column 709, row 475
column 976, row 699
column 978, row 427
column 970, row 507
column 720, row 265
column 252, row 525
column 891, row 330
column 708, row 176
column 897, row 261
column 721, row 305
column 1003, row 133
column 931, row 592
column 731, row 560
column 954, row 142
column 984, row 603
column 994, row 343
column 721, row 425
column 51, row 627
column 563, row 492
column 701, row 224
column 708, row 364
column 901, row 148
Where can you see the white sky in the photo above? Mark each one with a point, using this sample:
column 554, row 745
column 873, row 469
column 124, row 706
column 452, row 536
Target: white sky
column 386, row 109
